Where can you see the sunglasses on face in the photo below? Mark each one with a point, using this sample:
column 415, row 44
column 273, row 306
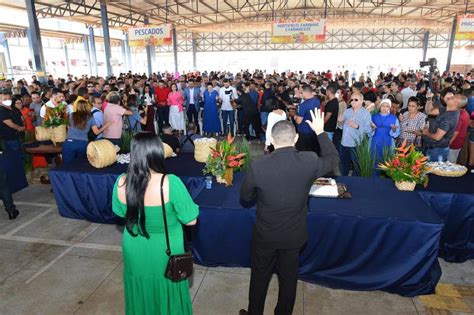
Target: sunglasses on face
column 354, row 100
column 90, row 86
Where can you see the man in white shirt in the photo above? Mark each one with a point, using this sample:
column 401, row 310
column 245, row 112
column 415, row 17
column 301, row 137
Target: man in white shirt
column 226, row 95
column 408, row 91
column 56, row 98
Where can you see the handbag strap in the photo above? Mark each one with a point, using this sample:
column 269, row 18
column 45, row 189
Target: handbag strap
column 168, row 251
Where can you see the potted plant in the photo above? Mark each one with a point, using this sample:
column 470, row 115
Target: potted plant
column 56, row 120
column 224, row 160
column 365, row 159
column 407, row 167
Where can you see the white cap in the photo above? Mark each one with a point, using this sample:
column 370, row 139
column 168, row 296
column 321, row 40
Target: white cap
column 387, row 100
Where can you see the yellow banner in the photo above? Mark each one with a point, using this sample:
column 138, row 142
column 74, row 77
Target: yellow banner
column 150, row 35
column 299, row 32
column 465, row 27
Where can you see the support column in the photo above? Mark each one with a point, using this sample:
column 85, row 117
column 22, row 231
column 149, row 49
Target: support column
column 451, row 43
column 34, row 37
column 175, row 49
column 124, row 55
column 194, row 47
column 148, row 53
column 6, row 49
column 88, row 54
column 66, row 54
column 105, row 31
column 93, row 52
column 426, row 38
column 129, row 53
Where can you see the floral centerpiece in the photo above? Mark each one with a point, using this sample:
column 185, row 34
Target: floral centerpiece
column 226, row 158
column 407, row 167
column 56, row 120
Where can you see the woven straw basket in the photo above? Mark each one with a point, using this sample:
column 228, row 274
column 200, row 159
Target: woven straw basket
column 450, row 173
column 101, row 153
column 168, row 150
column 42, row 133
column 202, row 149
column 58, row 134
column 405, row 186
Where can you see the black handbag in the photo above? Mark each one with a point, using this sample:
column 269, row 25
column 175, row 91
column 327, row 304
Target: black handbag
column 180, row 267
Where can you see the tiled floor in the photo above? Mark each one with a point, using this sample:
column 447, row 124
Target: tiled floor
column 54, row 265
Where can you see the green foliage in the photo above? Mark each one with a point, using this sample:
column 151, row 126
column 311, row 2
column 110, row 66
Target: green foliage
column 407, row 164
column 244, row 147
column 226, row 155
column 56, row 116
column 365, row 159
column 126, row 140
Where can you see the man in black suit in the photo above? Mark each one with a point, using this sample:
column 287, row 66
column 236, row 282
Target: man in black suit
column 281, row 182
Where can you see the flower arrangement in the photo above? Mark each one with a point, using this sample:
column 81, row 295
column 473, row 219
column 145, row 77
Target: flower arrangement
column 407, row 167
column 224, row 160
column 55, row 116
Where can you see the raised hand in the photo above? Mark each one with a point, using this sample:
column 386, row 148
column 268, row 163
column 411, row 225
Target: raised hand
column 317, row 121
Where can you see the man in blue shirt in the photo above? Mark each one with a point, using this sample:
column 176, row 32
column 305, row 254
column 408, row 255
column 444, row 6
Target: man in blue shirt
column 307, row 140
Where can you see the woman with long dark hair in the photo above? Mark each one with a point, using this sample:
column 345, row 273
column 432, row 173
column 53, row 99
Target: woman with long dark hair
column 137, row 198
column 80, row 122
column 148, row 99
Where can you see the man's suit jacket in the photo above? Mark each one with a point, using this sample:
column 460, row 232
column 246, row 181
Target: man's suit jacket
column 281, row 182
column 196, row 97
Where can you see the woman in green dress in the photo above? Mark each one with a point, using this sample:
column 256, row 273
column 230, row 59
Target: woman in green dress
column 137, row 198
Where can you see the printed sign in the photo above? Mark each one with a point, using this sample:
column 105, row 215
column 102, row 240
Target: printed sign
column 150, row 35
column 299, row 32
column 465, row 27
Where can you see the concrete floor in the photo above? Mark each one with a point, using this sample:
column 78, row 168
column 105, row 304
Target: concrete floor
column 53, row 265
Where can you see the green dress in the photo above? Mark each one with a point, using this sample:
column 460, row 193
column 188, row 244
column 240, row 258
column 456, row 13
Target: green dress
column 146, row 289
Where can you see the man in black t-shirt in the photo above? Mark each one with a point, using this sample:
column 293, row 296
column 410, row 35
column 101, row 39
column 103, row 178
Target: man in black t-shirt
column 10, row 124
column 331, row 110
column 441, row 129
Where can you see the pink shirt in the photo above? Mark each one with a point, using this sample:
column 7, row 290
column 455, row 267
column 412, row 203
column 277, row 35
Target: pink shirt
column 176, row 99
column 113, row 113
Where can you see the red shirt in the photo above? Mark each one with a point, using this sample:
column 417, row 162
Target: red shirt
column 161, row 96
column 461, row 128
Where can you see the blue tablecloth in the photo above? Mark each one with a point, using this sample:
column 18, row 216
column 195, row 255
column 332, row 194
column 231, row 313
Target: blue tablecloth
column 453, row 200
column 382, row 239
column 84, row 192
column 12, row 164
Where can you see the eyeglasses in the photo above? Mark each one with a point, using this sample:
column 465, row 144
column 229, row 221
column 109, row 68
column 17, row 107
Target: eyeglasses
column 354, row 100
column 90, row 86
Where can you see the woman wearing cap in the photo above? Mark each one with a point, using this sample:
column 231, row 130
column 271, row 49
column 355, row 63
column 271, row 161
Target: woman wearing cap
column 412, row 123
column 386, row 129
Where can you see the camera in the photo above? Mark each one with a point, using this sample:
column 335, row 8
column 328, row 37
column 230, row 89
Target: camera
column 227, row 92
column 432, row 62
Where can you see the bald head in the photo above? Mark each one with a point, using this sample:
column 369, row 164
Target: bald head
column 283, row 134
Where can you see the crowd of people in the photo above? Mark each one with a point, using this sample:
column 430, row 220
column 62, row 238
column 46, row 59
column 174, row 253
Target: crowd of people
column 325, row 114
column 434, row 116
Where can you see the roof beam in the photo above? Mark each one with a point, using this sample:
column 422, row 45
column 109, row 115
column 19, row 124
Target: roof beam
column 215, row 10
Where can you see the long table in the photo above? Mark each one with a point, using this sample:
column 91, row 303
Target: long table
column 453, row 201
column 12, row 165
column 84, row 192
column 382, row 239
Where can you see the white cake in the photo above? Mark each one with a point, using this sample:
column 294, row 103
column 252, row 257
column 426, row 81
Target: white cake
column 324, row 187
